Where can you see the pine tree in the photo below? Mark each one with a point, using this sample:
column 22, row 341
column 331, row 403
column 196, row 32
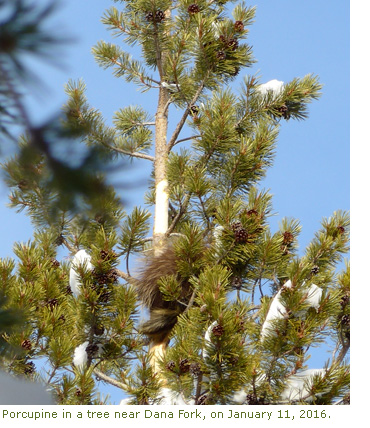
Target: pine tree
column 206, row 271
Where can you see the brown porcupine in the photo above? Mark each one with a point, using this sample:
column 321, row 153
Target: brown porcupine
column 163, row 313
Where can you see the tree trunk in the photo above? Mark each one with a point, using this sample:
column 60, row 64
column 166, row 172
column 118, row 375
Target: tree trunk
column 160, row 173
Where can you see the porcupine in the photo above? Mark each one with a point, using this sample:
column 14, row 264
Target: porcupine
column 163, row 313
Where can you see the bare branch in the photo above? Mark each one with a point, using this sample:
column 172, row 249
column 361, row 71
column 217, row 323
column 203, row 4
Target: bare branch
column 187, row 139
column 110, row 380
column 182, row 121
column 128, row 153
column 123, row 275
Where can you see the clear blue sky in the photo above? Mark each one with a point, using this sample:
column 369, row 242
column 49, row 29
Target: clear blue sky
column 310, row 177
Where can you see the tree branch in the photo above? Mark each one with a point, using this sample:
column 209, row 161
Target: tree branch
column 133, row 154
column 123, row 275
column 178, row 215
column 180, row 125
column 187, row 139
column 110, row 380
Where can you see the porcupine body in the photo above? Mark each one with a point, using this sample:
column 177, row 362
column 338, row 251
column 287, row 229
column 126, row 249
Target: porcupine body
column 163, row 313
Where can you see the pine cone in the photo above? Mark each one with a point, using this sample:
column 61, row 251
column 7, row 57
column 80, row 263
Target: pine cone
column 222, row 39
column 193, row 8
column 239, row 26
column 51, row 303
column 233, row 44
column 113, row 275
column 240, row 233
column 236, row 282
column 252, row 212
column 345, row 300
column 171, row 366
column 149, row 16
column 195, row 369
column 341, row 230
column 101, row 277
column 194, row 110
column 251, row 399
column 104, row 254
column 54, row 263
column 29, row 368
column 159, row 16
column 92, row 349
column 284, row 111
column 221, row 55
column 218, row 330
column 60, row 240
column 288, row 238
column 254, row 400
column 26, row 344
column 98, row 330
column 184, row 365
column 105, row 277
column 345, row 320
column 315, row 270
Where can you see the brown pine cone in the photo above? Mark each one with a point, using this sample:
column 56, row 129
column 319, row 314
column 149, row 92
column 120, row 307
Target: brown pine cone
column 98, row 330
column 240, row 233
column 345, row 320
column 345, row 300
column 341, row 230
column 184, row 365
column 221, row 55
column 195, row 369
column 104, row 254
column 232, row 44
column 59, row 241
column 149, row 16
column 51, row 303
column 159, row 16
column 193, row 110
column 252, row 212
column 239, row 26
column 92, row 349
column 218, row 330
column 284, row 111
column 54, row 263
column 315, row 270
column 288, row 238
column 29, row 368
column 236, row 282
column 171, row 366
column 26, row 344
column 193, row 8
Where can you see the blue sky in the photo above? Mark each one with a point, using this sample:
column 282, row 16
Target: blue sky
column 310, row 178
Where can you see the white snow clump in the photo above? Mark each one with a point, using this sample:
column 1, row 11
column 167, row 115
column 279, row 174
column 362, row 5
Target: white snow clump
column 80, row 355
column 81, row 258
column 273, row 86
column 278, row 311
